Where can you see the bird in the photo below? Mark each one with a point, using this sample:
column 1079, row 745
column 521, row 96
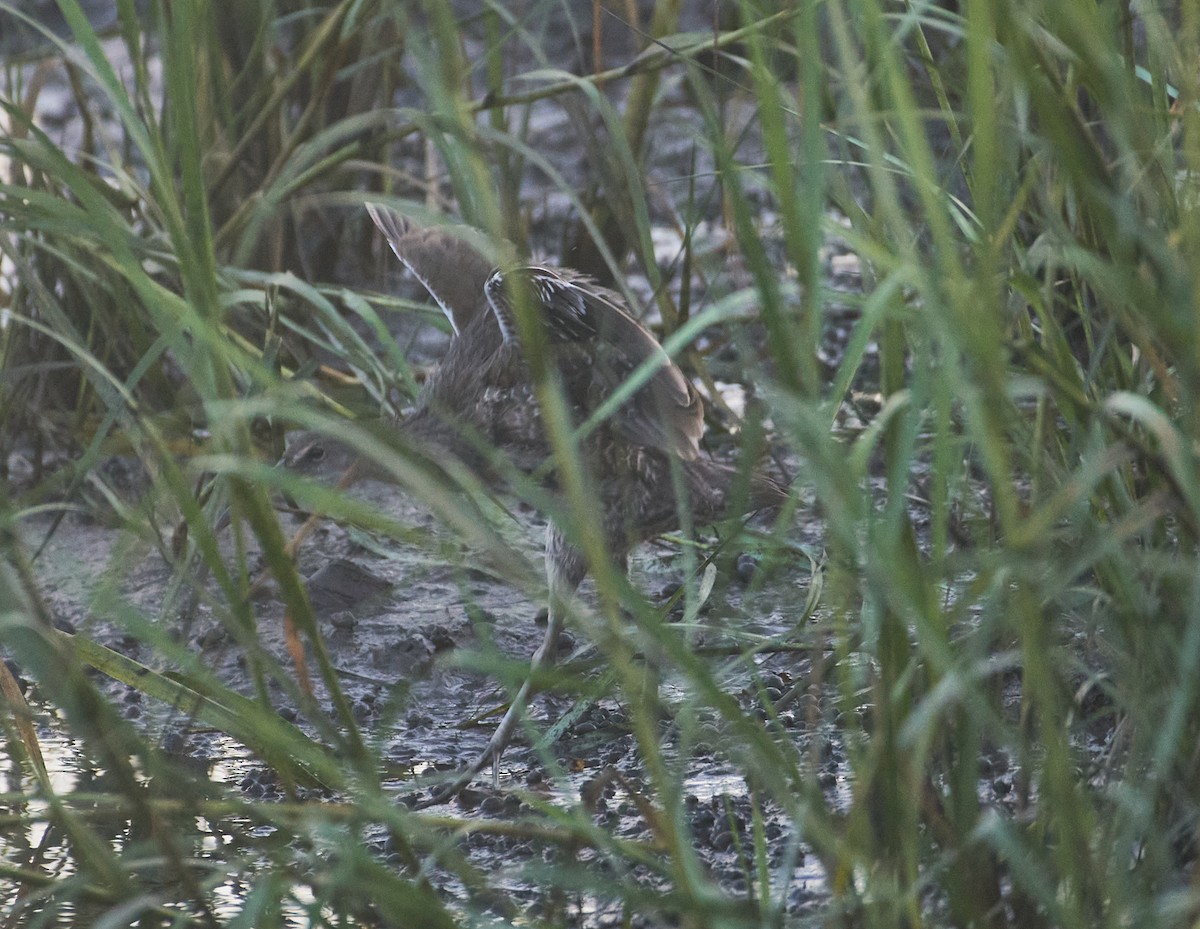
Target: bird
column 482, row 399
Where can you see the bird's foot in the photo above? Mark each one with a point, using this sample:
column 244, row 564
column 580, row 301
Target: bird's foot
column 491, row 753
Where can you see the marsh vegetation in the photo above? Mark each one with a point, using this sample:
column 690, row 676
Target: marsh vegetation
column 934, row 265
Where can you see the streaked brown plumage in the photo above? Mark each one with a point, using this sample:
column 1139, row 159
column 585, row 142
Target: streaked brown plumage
column 482, row 397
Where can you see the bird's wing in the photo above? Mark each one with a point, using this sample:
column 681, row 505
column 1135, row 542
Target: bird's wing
column 590, row 329
column 452, row 270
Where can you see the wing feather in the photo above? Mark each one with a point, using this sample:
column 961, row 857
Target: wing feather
column 589, row 324
column 451, row 269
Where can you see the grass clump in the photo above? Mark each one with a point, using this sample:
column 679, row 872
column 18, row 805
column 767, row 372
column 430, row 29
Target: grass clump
column 980, row 711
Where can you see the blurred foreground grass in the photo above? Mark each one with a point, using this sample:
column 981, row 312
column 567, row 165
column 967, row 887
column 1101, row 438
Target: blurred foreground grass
column 1010, row 513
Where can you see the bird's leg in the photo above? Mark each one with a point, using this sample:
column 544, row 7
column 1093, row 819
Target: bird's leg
column 542, row 658
column 565, row 569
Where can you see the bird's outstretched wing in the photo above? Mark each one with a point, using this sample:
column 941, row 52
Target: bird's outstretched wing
column 600, row 346
column 451, row 269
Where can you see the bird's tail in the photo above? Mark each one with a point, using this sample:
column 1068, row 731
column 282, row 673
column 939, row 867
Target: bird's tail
column 766, row 493
column 713, row 496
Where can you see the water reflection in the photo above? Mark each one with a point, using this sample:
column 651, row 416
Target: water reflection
column 193, row 853
column 45, row 837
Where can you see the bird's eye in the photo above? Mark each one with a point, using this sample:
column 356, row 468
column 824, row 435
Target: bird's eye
column 313, row 453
